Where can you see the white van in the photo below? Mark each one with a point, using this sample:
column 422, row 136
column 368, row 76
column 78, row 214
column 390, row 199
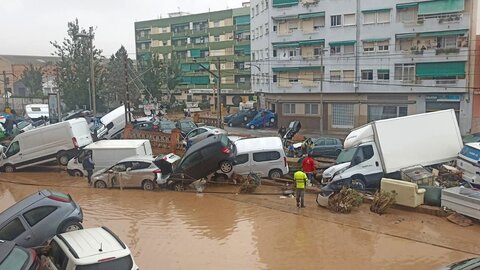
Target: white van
column 108, row 152
column 263, row 156
column 93, row 248
column 36, row 111
column 113, row 123
column 60, row 141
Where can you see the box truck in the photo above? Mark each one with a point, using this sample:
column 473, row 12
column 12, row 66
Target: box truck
column 106, row 153
column 384, row 147
column 60, row 141
column 469, row 163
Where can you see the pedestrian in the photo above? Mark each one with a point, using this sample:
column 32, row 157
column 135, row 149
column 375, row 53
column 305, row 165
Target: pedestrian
column 308, row 166
column 89, row 165
column 228, row 109
column 188, row 113
column 300, row 179
column 282, row 131
column 185, row 113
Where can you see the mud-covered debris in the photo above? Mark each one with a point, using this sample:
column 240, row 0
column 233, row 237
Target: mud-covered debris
column 382, row 200
column 345, row 201
column 460, row 220
column 252, row 181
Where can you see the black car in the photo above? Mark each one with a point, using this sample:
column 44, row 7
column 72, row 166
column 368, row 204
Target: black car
column 202, row 159
column 185, row 126
column 242, row 117
column 326, row 147
column 13, row 256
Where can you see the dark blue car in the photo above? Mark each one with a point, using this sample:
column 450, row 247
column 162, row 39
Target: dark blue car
column 262, row 119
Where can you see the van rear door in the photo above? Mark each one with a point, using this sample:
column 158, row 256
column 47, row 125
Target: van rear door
column 81, row 132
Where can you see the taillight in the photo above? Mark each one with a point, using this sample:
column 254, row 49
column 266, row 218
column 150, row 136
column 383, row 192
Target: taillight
column 225, row 150
column 35, row 258
column 157, row 171
column 106, row 259
column 59, row 199
column 75, row 143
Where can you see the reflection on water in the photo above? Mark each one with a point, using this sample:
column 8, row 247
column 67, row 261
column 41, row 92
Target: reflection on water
column 170, row 230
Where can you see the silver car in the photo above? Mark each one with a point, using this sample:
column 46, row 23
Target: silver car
column 201, row 133
column 39, row 217
column 136, row 171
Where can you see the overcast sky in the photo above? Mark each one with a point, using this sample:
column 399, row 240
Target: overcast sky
column 28, row 26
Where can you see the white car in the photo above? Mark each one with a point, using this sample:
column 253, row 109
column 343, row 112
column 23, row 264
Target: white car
column 94, row 248
column 201, row 133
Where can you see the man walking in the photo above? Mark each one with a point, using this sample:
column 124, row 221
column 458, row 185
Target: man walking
column 308, row 166
column 300, row 182
column 89, row 165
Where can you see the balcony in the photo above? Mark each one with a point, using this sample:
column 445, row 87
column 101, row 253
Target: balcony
column 447, row 51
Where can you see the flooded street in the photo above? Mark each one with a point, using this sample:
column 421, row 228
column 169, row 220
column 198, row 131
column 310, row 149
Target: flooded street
column 172, row 230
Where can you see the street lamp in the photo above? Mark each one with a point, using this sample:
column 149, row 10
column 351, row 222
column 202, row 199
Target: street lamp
column 219, row 82
column 90, row 36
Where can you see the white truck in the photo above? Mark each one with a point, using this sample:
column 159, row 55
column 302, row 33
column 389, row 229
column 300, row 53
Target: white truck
column 60, row 141
column 469, row 163
column 112, row 124
column 384, row 147
column 108, row 152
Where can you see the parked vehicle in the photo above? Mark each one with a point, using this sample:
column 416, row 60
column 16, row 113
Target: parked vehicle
column 77, row 114
column 293, row 128
column 59, row 141
column 105, row 153
column 166, row 126
column 262, row 119
column 202, row 133
column 132, row 172
column 468, row 264
column 262, row 156
column 38, row 217
column 469, row 163
column 92, row 249
column 185, row 126
column 326, row 147
column 14, row 257
column 227, row 118
column 242, row 117
column 202, row 159
column 147, row 126
column 113, row 123
column 36, row 111
column 475, row 137
column 384, row 147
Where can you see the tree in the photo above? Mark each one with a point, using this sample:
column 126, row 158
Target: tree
column 32, row 78
column 172, row 74
column 73, row 69
column 115, row 84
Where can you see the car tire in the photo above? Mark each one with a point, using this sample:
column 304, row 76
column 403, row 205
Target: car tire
column 178, row 186
column 272, row 120
column 252, row 127
column 100, row 184
column 77, row 173
column 62, row 158
column 358, row 183
column 9, row 168
column 148, row 185
column 69, row 226
column 230, row 124
column 226, row 166
column 275, row 173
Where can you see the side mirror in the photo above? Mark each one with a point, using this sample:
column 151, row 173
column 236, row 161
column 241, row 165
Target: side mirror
column 129, row 169
column 3, row 155
column 110, row 171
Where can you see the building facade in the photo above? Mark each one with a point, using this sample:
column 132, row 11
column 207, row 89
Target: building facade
column 339, row 64
column 207, row 39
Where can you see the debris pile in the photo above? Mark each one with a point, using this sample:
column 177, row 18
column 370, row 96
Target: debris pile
column 448, row 177
column 250, row 184
column 382, row 201
column 345, row 201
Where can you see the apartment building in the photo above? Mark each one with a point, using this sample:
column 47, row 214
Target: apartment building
column 202, row 40
column 339, row 64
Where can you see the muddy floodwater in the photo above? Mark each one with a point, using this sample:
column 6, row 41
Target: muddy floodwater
column 172, row 230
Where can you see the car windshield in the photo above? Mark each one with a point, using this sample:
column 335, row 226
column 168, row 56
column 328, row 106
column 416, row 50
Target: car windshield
column 471, row 153
column 167, row 125
column 346, row 155
column 186, row 125
column 123, row 263
column 259, row 115
column 22, row 124
column 15, row 260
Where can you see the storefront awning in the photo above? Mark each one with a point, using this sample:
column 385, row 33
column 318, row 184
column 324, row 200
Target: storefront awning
column 285, row 69
column 375, row 39
column 286, row 45
column 284, row 3
column 441, row 6
column 312, row 42
column 440, row 69
column 444, row 33
column 285, row 18
column 311, row 15
column 407, row 5
column 338, row 43
column 376, row 10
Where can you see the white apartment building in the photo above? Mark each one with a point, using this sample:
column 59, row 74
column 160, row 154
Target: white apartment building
column 381, row 59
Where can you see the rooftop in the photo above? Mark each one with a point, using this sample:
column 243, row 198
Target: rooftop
column 29, row 59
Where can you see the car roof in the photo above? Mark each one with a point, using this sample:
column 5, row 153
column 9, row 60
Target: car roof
column 207, row 141
column 115, row 144
column 5, row 248
column 90, row 242
column 27, row 201
column 139, row 158
column 255, row 144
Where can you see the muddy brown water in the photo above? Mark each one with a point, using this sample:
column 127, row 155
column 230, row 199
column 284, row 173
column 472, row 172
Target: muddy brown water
column 172, row 230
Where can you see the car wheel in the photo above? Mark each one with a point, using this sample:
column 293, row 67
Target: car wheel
column 9, row 168
column 252, row 127
column 230, row 124
column 77, row 173
column 62, row 158
column 178, row 186
column 100, row 184
column 276, row 173
column 245, row 118
column 70, row 226
column 148, row 185
column 226, row 166
column 220, row 178
column 357, row 184
column 272, row 120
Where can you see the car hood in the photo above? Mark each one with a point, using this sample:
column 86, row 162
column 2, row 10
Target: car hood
column 328, row 173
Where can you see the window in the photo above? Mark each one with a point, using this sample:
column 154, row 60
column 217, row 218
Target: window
column 367, row 75
column 262, row 5
column 145, row 165
column 405, row 72
column 311, row 108
column 142, row 33
column 349, row 19
column 274, row 52
column 348, row 75
column 378, row 112
column 383, row 46
column 293, row 77
column 13, row 149
column 253, row 12
column 369, row 18
column 383, row 74
column 122, row 263
column 368, row 46
column 383, row 17
column 292, row 25
column 216, row 24
column 342, row 115
column 364, row 153
column 15, row 259
column 261, row 30
column 143, row 46
column 335, row 75
column 406, row 44
column 266, row 156
column 318, row 22
column 407, row 15
column 376, row 17
column 274, row 78
column 216, row 38
column 274, row 28
column 37, row 214
column 288, row 108
column 335, row 49
column 348, row 49
column 336, row 20
column 447, row 42
column 257, row 10
column 59, row 258
column 12, row 230
column 253, row 34
column 266, row 28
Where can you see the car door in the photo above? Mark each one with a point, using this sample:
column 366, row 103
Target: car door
column 138, row 172
column 192, row 135
column 330, row 145
column 193, row 165
column 14, row 156
column 263, row 162
column 44, row 220
column 119, row 176
column 319, row 147
column 17, row 230
column 242, row 164
column 202, row 134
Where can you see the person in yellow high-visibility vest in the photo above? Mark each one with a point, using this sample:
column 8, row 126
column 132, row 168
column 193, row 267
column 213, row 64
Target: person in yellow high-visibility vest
column 300, row 179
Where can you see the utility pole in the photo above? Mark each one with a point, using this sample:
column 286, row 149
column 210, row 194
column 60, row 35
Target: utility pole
column 127, row 94
column 219, row 107
column 92, row 72
column 5, row 84
column 322, row 77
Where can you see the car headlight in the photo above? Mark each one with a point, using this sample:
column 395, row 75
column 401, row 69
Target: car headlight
column 337, row 173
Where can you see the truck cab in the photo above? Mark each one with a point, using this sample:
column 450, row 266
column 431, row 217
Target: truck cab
column 469, row 163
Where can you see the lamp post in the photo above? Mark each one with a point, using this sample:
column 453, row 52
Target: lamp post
column 219, row 83
column 93, row 102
